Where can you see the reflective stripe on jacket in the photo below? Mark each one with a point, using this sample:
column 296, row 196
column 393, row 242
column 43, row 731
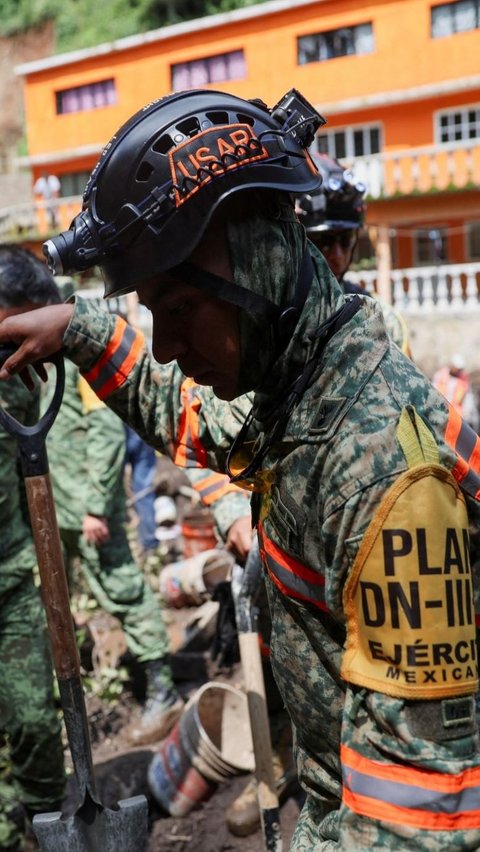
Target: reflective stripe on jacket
column 290, row 576
column 410, row 795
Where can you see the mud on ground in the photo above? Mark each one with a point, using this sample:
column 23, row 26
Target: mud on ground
column 121, row 771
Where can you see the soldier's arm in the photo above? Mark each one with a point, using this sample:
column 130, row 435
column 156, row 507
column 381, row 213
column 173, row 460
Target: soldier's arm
column 155, row 400
column 230, row 506
column 116, row 363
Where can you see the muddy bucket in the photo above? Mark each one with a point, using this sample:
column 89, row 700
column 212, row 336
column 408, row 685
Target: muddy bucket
column 210, row 743
column 198, row 531
column 190, row 582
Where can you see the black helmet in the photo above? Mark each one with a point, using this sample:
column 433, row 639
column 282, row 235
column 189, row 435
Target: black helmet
column 165, row 172
column 338, row 203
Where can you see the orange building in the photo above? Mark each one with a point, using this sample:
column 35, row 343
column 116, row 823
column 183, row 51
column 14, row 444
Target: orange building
column 397, row 80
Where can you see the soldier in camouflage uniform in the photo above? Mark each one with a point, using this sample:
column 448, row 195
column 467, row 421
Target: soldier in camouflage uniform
column 365, row 481
column 28, row 718
column 333, row 216
column 86, row 447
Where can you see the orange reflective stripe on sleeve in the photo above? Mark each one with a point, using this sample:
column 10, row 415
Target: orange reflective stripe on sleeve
column 189, row 451
column 410, row 795
column 117, row 361
column 466, row 444
column 214, row 487
column 291, row 577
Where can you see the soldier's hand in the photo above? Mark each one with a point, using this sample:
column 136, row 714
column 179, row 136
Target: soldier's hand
column 38, row 334
column 239, row 537
column 95, row 530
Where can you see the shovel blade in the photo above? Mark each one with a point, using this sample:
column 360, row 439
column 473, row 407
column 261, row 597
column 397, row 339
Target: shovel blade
column 121, row 830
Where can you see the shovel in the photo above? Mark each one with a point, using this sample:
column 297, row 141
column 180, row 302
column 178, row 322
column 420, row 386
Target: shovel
column 245, row 587
column 93, row 827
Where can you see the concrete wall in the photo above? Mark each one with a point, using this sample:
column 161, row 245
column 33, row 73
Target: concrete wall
column 434, row 339
column 36, row 43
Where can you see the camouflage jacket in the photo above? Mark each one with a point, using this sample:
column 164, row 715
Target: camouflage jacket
column 86, row 451
column 15, row 532
column 364, row 535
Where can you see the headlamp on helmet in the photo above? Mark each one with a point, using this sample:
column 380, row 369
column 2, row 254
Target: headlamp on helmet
column 338, row 204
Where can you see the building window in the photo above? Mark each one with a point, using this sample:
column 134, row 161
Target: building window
column 458, row 125
column 350, row 142
column 73, row 183
column 82, row 98
column 345, row 41
column 212, row 69
column 459, row 17
column 473, row 241
column 430, row 246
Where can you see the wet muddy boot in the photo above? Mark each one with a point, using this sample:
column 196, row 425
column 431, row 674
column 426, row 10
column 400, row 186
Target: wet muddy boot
column 162, row 709
column 243, row 815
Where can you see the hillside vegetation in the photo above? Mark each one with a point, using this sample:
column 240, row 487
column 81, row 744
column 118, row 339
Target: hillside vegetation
column 84, row 23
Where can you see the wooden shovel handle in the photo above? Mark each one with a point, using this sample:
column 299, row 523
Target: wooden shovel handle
column 257, row 705
column 53, row 576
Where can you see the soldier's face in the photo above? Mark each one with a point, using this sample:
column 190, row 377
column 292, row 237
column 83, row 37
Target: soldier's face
column 195, row 329
column 337, row 248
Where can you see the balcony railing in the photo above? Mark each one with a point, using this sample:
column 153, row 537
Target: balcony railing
column 34, row 218
column 447, row 288
column 427, row 169
column 422, row 289
column 424, row 170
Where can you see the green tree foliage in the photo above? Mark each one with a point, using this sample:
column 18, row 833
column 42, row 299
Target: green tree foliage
column 85, row 23
column 19, row 15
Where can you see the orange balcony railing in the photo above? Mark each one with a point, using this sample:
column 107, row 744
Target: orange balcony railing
column 424, row 170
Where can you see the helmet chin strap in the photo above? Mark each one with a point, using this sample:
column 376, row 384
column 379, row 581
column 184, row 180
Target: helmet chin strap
column 224, row 289
column 350, row 255
column 284, row 321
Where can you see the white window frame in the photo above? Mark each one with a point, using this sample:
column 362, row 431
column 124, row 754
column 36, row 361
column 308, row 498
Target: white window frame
column 454, row 110
column 349, row 132
column 453, row 32
column 338, row 31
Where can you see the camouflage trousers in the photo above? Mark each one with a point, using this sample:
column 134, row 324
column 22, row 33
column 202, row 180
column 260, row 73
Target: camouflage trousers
column 28, row 718
column 121, row 589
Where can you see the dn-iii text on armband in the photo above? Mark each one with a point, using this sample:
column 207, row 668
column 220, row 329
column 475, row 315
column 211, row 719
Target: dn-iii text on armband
column 410, row 585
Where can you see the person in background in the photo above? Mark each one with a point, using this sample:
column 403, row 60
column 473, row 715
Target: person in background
column 453, row 382
column 361, row 496
column 333, row 216
column 48, row 187
column 142, row 461
column 86, row 447
column 29, row 721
